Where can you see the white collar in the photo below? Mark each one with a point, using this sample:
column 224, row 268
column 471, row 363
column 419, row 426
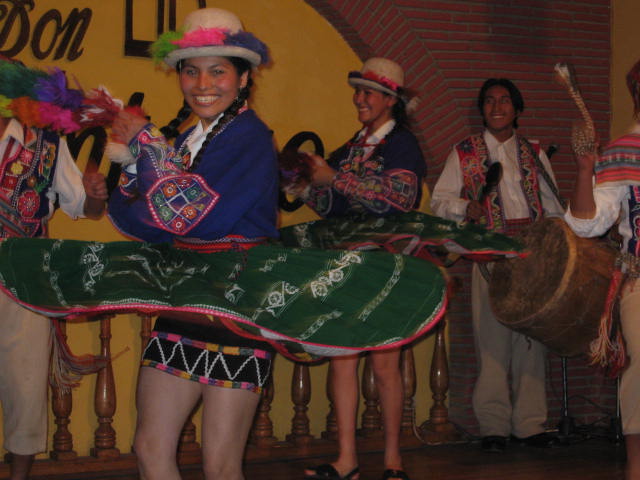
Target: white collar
column 493, row 143
column 14, row 129
column 199, row 129
column 382, row 131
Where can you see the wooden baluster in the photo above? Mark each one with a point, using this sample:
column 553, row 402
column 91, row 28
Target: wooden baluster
column 145, row 335
column 331, row 432
column 409, row 385
column 105, row 399
column 262, row 431
column 371, row 416
column 301, row 396
column 438, row 429
column 187, row 445
column 61, row 405
column 145, row 331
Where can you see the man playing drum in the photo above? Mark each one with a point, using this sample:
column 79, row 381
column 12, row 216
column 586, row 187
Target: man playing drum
column 595, row 207
column 524, row 192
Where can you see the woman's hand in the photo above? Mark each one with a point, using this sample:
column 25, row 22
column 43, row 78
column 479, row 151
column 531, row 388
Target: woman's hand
column 322, row 174
column 126, row 126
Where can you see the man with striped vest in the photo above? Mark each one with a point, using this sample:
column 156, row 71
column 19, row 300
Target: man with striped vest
column 36, row 171
column 523, row 190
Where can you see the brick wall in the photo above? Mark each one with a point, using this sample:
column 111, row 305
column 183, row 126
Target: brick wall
column 448, row 48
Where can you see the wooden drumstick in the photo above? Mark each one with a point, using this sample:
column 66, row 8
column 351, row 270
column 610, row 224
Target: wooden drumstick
column 491, row 179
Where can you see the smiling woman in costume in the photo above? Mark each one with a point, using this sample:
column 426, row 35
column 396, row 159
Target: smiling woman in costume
column 215, row 190
column 377, row 173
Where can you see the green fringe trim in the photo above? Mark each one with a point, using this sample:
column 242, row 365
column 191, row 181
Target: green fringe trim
column 163, row 46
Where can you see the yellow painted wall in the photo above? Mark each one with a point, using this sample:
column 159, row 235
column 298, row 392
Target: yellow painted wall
column 625, row 40
column 304, row 89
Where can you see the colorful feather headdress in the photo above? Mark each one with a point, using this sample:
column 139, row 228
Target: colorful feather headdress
column 43, row 99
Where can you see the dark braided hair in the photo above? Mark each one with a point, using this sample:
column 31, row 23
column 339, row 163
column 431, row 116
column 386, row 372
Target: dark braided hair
column 171, row 130
column 399, row 110
column 241, row 65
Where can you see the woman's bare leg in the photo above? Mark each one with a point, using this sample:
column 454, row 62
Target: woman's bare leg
column 344, row 383
column 386, row 370
column 227, row 418
column 164, row 403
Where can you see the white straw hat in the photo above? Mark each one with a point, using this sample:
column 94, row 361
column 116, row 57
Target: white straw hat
column 209, row 32
column 380, row 74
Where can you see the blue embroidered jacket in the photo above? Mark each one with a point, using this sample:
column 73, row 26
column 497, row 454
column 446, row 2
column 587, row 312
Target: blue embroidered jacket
column 388, row 181
column 232, row 192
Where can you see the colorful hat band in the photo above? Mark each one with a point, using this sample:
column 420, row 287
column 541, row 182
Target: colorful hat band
column 383, row 81
column 200, row 38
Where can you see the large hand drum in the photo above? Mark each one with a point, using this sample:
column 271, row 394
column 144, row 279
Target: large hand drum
column 556, row 295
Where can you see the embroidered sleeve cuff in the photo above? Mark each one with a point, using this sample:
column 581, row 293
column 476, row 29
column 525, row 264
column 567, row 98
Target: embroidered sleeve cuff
column 152, row 140
column 320, row 200
column 379, row 193
column 128, row 182
column 178, row 203
column 345, row 183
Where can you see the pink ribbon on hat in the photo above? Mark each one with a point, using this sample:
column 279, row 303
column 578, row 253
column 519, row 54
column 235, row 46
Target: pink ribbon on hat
column 202, row 37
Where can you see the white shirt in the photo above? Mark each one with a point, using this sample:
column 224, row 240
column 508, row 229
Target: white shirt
column 446, row 201
column 612, row 202
column 197, row 137
column 374, row 139
column 67, row 179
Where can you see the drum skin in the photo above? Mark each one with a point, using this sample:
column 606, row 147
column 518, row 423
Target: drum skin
column 556, row 294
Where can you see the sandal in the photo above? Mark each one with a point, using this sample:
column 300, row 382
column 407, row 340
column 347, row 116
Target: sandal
column 391, row 473
column 326, row 471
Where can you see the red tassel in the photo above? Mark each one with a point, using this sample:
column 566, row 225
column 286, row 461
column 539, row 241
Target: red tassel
column 136, row 110
column 67, row 369
column 608, row 350
column 295, row 168
column 98, row 109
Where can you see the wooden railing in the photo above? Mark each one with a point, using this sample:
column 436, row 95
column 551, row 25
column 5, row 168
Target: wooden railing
column 105, row 454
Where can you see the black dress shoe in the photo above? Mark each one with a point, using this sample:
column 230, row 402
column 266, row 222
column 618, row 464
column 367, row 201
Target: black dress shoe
column 540, row 440
column 494, row 443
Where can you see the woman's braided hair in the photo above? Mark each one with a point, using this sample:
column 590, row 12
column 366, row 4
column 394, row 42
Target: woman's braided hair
column 172, row 129
column 241, row 65
column 399, row 110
